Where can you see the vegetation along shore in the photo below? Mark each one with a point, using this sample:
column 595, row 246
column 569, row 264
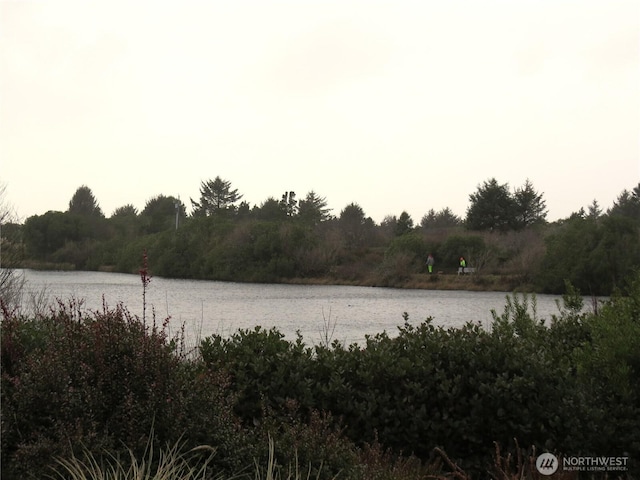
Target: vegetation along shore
column 88, row 394
column 504, row 236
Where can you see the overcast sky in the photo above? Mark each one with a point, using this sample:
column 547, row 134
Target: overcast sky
column 394, row 105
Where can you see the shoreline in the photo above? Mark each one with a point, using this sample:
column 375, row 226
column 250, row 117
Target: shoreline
column 422, row 281
column 475, row 282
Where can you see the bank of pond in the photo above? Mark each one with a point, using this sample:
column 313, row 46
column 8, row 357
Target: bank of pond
column 595, row 253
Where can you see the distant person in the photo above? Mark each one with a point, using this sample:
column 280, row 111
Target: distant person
column 463, row 264
column 430, row 262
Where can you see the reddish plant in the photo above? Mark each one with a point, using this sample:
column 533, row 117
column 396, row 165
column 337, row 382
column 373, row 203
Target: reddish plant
column 145, row 276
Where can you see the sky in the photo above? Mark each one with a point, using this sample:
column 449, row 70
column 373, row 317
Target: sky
column 394, row 105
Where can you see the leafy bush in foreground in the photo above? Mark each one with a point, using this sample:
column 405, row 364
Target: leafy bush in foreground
column 103, row 380
column 550, row 384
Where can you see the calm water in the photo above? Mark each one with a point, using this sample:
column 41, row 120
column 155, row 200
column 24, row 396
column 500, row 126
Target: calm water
column 207, row 307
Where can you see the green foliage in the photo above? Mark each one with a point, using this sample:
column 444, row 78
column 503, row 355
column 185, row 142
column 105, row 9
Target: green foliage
column 160, row 212
column 455, row 246
column 283, row 240
column 99, row 380
column 404, row 224
column 609, row 369
column 216, row 197
column 266, row 369
column 445, row 218
column 84, row 203
column 530, row 207
column 313, row 209
column 48, row 233
column 494, row 208
column 355, row 228
column 594, row 255
column 466, row 388
column 105, row 379
column 412, row 244
column 627, row 204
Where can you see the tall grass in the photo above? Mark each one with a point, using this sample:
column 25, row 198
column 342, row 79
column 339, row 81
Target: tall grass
column 273, row 471
column 171, row 463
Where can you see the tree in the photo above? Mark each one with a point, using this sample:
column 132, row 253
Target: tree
column 269, row 210
column 492, row 208
column 530, row 208
column 289, row 204
column 243, row 210
column 354, row 225
column 124, row 220
column 594, row 210
column 404, row 224
column 313, row 209
column 45, row 234
column 160, row 213
column 125, row 211
column 627, row 204
column 471, row 247
column 445, row 218
column 216, row 196
column 84, row 203
column 595, row 256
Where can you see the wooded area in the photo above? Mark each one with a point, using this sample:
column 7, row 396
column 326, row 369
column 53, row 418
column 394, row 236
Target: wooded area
column 505, row 234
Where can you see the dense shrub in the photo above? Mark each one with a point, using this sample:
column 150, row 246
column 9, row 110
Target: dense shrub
column 107, row 380
column 102, row 380
column 546, row 383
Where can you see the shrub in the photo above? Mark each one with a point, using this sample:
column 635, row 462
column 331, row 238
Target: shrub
column 102, row 379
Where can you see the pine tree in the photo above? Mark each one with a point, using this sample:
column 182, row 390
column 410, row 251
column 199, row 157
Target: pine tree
column 215, row 196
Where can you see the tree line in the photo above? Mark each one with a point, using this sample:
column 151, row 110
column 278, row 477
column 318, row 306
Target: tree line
column 505, row 233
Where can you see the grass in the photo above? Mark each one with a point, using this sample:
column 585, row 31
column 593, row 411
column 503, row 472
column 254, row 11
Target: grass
column 274, row 471
column 170, row 463
column 423, row 281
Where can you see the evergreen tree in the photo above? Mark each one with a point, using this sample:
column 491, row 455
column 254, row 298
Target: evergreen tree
column 492, row 208
column 404, row 224
column 124, row 220
column 269, row 210
column 353, row 225
column 84, row 203
column 216, row 196
column 594, row 210
column 530, row 207
column 445, row 218
column 627, row 204
column 313, row 209
column 125, row 211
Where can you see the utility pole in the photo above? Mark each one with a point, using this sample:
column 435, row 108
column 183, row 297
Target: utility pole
column 176, row 203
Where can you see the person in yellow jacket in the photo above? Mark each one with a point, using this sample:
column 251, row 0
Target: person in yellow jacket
column 463, row 264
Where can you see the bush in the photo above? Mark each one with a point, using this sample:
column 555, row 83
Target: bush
column 380, row 410
column 102, row 380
